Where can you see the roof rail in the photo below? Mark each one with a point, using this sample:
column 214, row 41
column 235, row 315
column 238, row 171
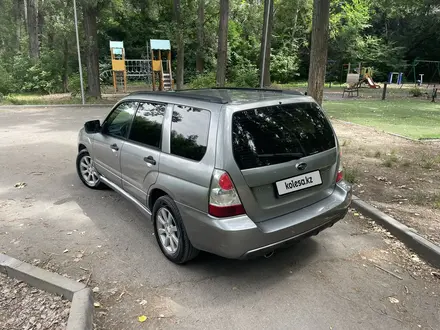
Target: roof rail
column 259, row 89
column 186, row 95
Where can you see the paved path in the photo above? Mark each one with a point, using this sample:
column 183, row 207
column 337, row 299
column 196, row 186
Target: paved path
column 327, row 282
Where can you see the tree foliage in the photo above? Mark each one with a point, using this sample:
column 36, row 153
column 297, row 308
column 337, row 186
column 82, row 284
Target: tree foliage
column 38, row 48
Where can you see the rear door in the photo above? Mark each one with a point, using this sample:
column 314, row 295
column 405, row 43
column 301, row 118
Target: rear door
column 286, row 154
column 140, row 155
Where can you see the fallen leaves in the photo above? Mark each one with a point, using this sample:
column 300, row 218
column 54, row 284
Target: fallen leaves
column 415, row 258
column 142, row 318
column 393, row 300
column 79, row 256
column 383, row 179
column 20, row 185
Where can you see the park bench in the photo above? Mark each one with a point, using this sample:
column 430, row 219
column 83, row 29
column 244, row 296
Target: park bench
column 353, row 85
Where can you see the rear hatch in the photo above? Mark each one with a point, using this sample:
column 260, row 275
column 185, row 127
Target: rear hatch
column 287, row 156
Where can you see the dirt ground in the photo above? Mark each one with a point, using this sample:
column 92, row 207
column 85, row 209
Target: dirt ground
column 24, row 307
column 399, row 176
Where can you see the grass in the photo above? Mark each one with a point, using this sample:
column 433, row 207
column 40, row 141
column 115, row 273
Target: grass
column 390, row 159
column 289, row 85
column 428, row 162
column 436, row 202
column 351, row 174
column 388, row 163
column 419, row 198
column 416, row 118
column 406, row 163
column 36, row 99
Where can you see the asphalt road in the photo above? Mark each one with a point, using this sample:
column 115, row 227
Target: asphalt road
column 327, row 282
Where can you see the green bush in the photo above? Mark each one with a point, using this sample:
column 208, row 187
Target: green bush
column 204, row 80
column 6, row 82
column 415, row 91
column 43, row 75
column 74, row 83
column 244, row 76
column 284, row 66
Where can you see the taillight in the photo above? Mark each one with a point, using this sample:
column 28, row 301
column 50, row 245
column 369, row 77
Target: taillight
column 340, row 174
column 223, row 197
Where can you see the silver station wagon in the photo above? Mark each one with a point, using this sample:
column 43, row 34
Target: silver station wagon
column 234, row 172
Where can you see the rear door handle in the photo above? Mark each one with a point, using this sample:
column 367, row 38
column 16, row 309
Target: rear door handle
column 114, row 147
column 150, row 160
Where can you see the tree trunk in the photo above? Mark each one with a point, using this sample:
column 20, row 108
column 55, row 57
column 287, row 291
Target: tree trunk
column 318, row 52
column 65, row 77
column 222, row 51
column 295, row 22
column 180, row 45
column 200, row 58
column 268, row 10
column 25, row 15
column 40, row 22
column 17, row 21
column 92, row 52
column 32, row 27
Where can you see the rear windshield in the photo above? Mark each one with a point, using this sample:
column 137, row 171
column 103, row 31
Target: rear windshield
column 277, row 134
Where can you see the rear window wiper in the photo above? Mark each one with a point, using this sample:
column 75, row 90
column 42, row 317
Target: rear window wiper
column 293, row 155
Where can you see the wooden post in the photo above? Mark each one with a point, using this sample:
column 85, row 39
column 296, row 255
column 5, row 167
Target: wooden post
column 384, row 93
column 153, row 76
column 161, row 71
column 125, row 81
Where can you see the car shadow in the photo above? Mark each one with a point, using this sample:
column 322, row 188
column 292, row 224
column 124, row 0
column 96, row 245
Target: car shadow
column 138, row 230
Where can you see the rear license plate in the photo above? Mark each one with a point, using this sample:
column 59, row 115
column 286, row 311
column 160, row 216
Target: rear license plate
column 299, row 182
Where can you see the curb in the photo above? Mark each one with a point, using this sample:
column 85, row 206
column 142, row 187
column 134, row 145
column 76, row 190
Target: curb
column 428, row 250
column 81, row 310
column 13, row 106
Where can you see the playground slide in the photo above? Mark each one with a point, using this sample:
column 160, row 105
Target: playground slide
column 371, row 83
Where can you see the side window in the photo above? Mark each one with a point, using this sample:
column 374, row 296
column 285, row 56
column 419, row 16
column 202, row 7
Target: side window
column 147, row 124
column 189, row 132
column 118, row 123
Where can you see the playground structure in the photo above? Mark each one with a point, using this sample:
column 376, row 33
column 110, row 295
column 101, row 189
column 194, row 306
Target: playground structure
column 147, row 70
column 426, row 67
column 364, row 76
column 159, row 71
column 399, row 76
column 119, row 71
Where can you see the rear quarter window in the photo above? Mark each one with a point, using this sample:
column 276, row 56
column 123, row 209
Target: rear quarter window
column 189, row 132
column 277, row 134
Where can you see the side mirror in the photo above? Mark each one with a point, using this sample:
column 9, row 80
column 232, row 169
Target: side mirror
column 92, row 126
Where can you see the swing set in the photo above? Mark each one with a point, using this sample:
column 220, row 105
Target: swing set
column 422, row 68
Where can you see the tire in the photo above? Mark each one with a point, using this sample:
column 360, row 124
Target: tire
column 169, row 227
column 81, row 166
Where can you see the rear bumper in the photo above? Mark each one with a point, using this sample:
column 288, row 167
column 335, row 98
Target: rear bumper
column 240, row 237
